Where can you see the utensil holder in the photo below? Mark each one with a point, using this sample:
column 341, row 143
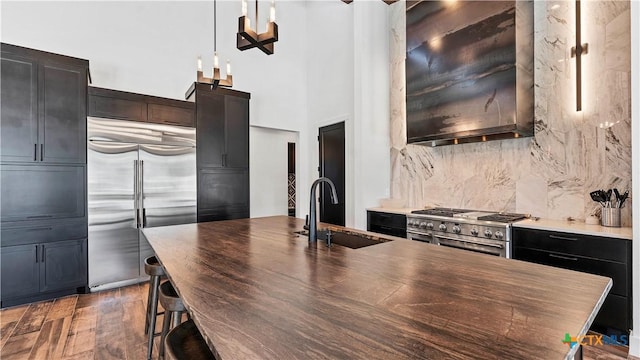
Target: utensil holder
column 610, row 217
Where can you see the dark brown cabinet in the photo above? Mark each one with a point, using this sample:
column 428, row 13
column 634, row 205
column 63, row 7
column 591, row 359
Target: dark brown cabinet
column 222, row 132
column 121, row 105
column 43, row 197
column 36, row 270
column 37, row 192
column 43, row 107
column 604, row 256
column 387, row 223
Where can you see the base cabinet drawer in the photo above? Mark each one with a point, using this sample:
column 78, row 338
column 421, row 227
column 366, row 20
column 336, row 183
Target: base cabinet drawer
column 614, row 315
column 614, row 270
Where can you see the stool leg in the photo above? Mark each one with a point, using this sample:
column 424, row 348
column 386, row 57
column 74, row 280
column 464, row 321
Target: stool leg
column 153, row 309
column 149, row 296
column 166, row 322
column 177, row 319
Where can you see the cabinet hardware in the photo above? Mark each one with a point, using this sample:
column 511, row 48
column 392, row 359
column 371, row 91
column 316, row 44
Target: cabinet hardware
column 42, row 255
column 41, row 229
column 563, row 257
column 562, row 238
column 41, row 152
column 39, row 217
column 37, row 254
column 144, row 217
column 35, row 152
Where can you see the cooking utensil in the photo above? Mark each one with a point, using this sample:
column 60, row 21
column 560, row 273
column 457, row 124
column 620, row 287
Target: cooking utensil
column 598, row 196
column 609, row 194
column 623, row 198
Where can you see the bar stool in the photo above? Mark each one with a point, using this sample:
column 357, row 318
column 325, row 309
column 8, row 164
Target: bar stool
column 155, row 271
column 184, row 342
column 173, row 309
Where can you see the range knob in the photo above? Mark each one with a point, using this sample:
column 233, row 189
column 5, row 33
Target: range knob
column 456, row 229
column 430, row 226
column 474, row 231
column 423, row 225
column 487, row 233
column 498, row 235
column 442, row 227
column 412, row 222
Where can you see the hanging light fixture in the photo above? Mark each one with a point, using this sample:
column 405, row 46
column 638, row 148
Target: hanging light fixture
column 215, row 80
column 248, row 38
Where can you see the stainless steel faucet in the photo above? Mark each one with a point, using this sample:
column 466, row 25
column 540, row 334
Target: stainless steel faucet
column 313, row 222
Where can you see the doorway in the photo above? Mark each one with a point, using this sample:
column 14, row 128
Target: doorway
column 332, row 161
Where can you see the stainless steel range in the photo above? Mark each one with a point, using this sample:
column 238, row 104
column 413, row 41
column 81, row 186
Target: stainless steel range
column 480, row 231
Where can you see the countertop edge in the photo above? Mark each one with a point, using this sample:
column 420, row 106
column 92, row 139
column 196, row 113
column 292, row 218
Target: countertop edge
column 575, row 227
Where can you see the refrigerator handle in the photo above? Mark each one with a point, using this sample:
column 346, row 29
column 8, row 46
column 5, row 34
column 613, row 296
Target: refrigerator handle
column 136, row 220
column 141, row 184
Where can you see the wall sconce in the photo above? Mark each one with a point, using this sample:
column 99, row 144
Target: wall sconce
column 248, row 38
column 577, row 52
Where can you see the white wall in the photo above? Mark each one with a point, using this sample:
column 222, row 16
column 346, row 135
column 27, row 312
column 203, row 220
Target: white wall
column 269, row 166
column 348, row 81
column 634, row 348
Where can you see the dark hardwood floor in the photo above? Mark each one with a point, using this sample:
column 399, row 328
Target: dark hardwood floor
column 110, row 325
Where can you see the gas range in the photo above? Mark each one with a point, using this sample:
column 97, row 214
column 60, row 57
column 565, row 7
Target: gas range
column 480, row 231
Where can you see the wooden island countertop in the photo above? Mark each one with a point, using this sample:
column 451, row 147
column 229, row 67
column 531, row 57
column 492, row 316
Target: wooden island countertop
column 258, row 291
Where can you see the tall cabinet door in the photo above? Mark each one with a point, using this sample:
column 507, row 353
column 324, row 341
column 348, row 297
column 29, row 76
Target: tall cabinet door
column 19, row 115
column 237, row 132
column 210, row 134
column 63, row 112
column 20, row 270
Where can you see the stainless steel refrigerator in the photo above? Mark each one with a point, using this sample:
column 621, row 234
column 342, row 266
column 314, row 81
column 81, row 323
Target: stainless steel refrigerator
column 139, row 175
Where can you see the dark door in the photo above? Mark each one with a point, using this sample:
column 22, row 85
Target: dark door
column 237, row 132
column 210, row 129
column 331, row 140
column 20, row 271
column 63, row 110
column 19, row 115
column 64, row 265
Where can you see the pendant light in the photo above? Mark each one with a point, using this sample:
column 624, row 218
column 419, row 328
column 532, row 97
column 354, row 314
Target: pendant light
column 215, row 80
column 248, row 38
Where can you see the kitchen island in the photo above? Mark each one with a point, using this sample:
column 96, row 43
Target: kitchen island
column 256, row 290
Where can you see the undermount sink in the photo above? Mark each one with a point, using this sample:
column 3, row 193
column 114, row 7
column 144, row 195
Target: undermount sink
column 350, row 240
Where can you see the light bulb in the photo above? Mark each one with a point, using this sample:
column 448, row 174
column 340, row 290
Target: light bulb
column 228, row 68
column 199, row 63
column 215, row 60
column 272, row 12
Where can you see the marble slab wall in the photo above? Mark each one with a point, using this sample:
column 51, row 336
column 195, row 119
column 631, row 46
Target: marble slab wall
column 549, row 175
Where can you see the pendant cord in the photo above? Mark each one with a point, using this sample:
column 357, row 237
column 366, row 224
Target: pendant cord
column 215, row 32
column 256, row 25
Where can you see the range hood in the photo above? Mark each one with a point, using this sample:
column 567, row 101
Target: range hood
column 470, row 78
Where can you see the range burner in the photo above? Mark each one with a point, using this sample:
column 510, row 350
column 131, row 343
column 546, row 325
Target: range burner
column 503, row 217
column 448, row 212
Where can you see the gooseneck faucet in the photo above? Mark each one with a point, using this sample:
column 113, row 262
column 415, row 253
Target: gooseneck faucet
column 313, row 222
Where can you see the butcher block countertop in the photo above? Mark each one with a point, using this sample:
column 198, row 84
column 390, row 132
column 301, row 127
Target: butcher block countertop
column 258, row 291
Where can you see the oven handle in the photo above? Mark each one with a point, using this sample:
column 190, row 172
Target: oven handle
column 498, row 246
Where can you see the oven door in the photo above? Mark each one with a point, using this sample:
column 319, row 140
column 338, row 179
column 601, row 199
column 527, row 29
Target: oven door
column 420, row 237
column 496, row 248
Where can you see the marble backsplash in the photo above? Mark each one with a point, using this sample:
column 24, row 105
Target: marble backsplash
column 549, row 175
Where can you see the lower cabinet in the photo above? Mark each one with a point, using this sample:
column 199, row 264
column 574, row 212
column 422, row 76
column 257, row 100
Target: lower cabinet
column 31, row 271
column 604, row 256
